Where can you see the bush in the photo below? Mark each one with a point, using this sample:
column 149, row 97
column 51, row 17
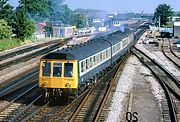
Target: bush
column 5, row 30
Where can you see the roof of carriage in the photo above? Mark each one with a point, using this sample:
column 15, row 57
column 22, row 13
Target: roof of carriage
column 89, row 48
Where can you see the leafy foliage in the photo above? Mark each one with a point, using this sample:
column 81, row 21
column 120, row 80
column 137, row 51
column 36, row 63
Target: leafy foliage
column 163, row 11
column 5, row 30
column 80, row 21
column 34, row 8
column 23, row 27
column 60, row 12
column 48, row 29
column 6, row 11
column 9, row 43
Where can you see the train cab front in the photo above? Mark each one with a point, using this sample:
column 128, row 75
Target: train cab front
column 58, row 77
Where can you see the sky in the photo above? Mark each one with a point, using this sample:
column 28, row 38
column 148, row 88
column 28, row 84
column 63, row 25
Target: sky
column 113, row 6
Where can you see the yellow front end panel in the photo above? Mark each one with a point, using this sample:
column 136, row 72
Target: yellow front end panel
column 60, row 82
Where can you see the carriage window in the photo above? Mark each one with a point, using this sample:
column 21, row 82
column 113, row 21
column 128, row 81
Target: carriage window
column 46, row 69
column 91, row 62
column 116, row 48
column 94, row 60
column 57, row 69
column 106, row 53
column 101, row 56
column 109, row 53
column 113, row 49
column 82, row 67
column 98, row 58
column 68, row 69
column 86, row 64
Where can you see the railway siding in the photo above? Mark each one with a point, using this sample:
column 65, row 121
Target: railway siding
column 168, row 83
column 168, row 52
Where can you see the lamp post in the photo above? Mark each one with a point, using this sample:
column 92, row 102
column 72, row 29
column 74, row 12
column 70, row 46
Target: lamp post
column 111, row 48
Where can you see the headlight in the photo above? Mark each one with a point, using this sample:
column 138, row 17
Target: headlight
column 67, row 85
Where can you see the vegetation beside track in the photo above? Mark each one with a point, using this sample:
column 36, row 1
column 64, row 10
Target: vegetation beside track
column 9, row 43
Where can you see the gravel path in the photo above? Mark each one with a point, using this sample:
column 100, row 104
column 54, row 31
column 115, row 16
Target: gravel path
column 143, row 100
column 137, row 91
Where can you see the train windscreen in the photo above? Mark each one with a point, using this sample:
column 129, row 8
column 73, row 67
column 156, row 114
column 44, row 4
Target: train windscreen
column 57, row 69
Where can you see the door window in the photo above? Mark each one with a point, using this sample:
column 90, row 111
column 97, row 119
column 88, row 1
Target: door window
column 68, row 69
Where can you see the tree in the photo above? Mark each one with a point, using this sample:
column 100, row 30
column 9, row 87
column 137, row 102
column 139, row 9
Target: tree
column 80, row 21
column 5, row 30
column 34, row 8
column 69, row 15
column 23, row 27
column 48, row 29
column 6, row 11
column 163, row 11
column 57, row 11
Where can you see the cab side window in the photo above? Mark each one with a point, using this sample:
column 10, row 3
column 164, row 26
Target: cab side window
column 68, row 69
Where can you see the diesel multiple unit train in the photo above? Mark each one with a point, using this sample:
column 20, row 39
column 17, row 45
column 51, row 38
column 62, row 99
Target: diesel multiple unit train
column 64, row 71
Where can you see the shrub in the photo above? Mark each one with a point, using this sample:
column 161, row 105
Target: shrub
column 5, row 30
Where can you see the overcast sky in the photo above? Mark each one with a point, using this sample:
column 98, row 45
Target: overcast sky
column 110, row 6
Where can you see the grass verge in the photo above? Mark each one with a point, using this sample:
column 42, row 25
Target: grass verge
column 9, row 43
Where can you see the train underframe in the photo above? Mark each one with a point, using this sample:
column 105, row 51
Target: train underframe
column 59, row 93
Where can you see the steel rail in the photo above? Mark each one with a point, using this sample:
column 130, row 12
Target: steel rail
column 163, row 84
column 8, row 104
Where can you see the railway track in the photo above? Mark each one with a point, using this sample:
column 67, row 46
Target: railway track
column 173, row 49
column 171, row 86
column 90, row 108
column 28, row 49
column 29, row 56
column 46, row 112
column 64, row 112
column 168, row 52
column 10, row 110
column 54, row 45
column 19, row 82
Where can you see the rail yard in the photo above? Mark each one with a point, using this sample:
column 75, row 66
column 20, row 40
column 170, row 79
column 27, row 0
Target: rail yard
column 113, row 76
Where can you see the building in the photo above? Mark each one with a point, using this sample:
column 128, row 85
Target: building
column 175, row 18
column 177, row 29
column 63, row 31
column 39, row 30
